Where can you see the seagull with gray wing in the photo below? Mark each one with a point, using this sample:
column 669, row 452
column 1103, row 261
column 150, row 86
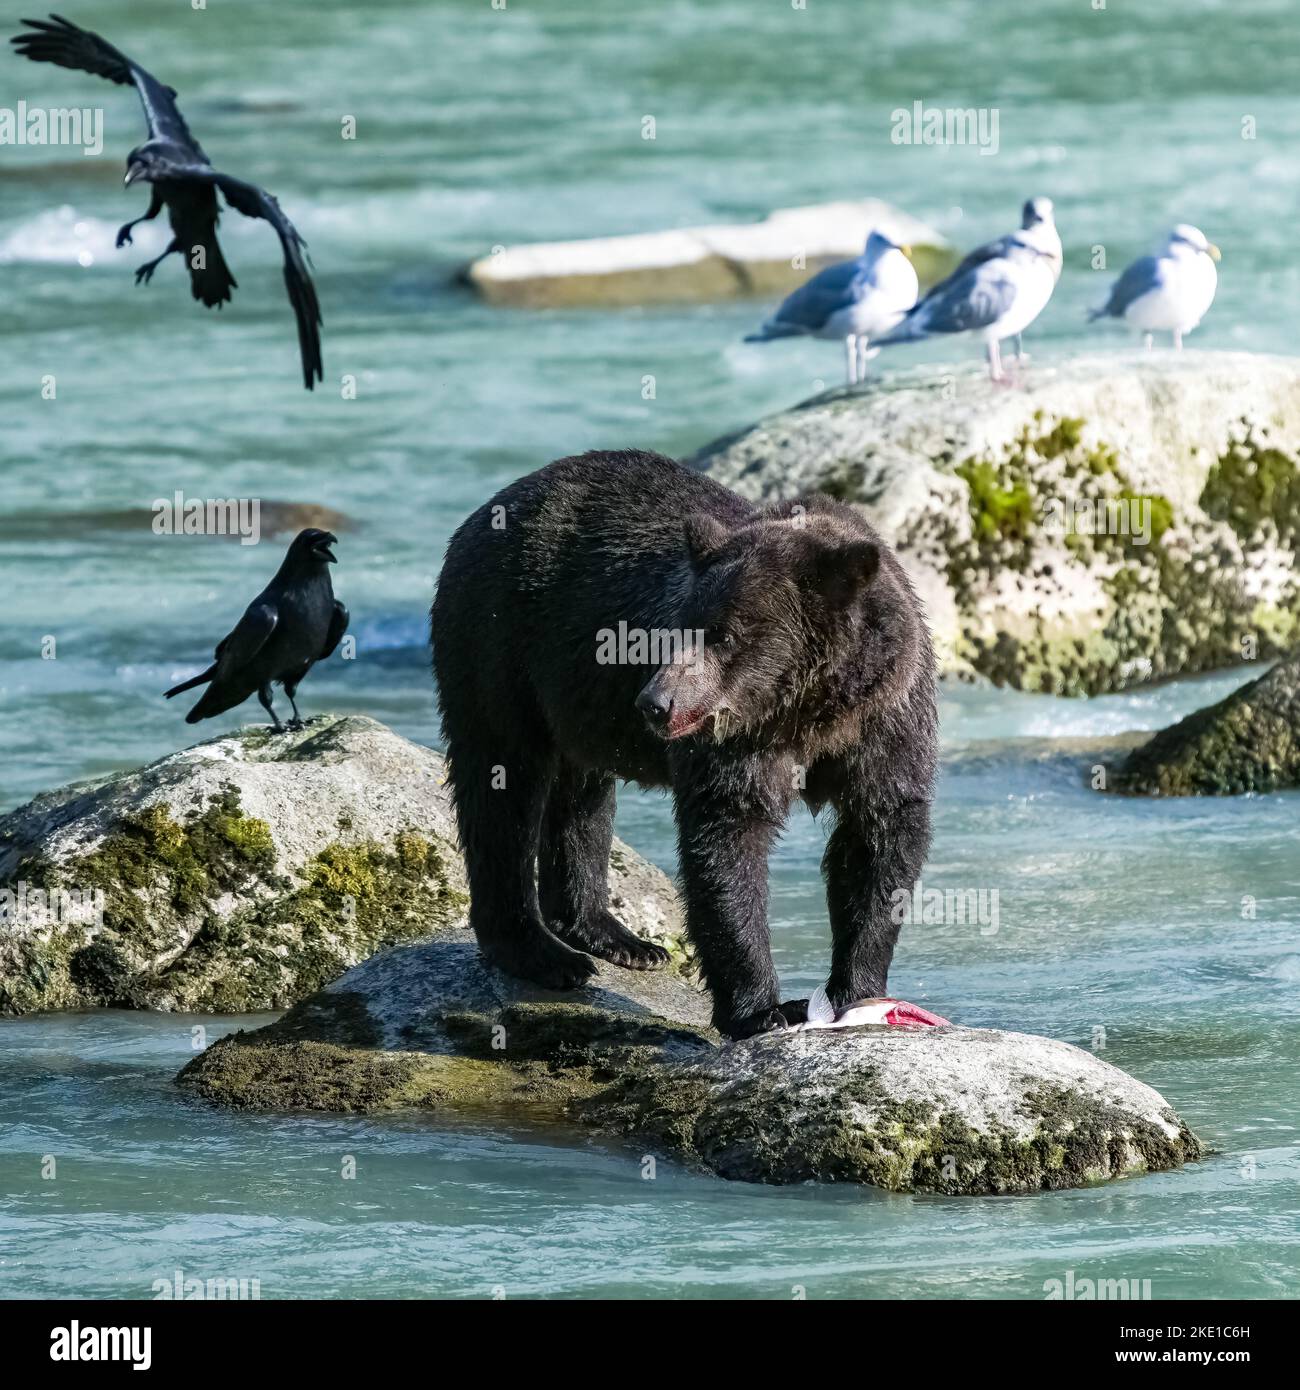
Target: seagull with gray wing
column 183, row 181
column 852, row 300
column 996, row 292
column 1170, row 292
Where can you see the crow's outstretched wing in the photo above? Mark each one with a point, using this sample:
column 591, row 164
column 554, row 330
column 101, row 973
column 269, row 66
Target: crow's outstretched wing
column 59, row 41
column 257, row 202
column 338, row 626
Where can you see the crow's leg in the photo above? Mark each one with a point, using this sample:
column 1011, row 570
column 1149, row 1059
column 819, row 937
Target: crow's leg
column 155, row 207
column 264, row 695
column 296, row 721
column 145, row 273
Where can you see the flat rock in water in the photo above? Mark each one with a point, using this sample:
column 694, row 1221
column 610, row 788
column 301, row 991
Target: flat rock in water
column 955, row 1110
column 244, row 873
column 1117, row 519
column 222, row 520
column 1248, row 742
column 701, row 264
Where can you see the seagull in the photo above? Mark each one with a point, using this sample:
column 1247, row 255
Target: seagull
column 1170, row 291
column 183, row 181
column 853, row 300
column 997, row 291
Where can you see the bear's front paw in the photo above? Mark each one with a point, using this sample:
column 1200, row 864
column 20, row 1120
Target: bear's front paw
column 765, row 1021
column 795, row 1011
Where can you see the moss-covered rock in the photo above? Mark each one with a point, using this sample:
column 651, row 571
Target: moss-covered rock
column 431, row 1025
column 955, row 1110
column 1248, row 742
column 948, row 1110
column 244, row 873
column 1121, row 519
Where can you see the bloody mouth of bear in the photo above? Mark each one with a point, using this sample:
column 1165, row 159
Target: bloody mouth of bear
column 688, row 721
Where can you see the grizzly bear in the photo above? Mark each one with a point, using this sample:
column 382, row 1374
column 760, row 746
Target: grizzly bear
column 617, row 615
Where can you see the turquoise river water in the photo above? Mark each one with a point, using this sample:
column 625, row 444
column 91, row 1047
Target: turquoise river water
column 1120, row 921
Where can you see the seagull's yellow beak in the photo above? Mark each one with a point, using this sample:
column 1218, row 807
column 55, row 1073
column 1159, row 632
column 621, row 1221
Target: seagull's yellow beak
column 1215, row 253
column 907, row 251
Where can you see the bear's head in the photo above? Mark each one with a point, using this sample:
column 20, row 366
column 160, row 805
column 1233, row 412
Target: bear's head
column 788, row 624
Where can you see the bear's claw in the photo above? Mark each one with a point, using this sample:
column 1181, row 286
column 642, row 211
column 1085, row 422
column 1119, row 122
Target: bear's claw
column 605, row 936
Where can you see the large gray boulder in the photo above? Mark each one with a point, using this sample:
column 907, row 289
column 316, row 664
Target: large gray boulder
column 244, row 873
column 1186, row 462
column 1248, row 742
column 957, row 1110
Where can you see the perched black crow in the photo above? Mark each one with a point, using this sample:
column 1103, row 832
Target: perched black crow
column 293, row 623
column 184, row 182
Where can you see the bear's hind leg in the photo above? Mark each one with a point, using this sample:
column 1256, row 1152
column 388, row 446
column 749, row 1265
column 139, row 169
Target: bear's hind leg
column 499, row 806
column 573, row 871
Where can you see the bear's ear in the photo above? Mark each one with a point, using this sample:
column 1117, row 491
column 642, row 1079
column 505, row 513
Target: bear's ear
column 704, row 535
column 844, row 571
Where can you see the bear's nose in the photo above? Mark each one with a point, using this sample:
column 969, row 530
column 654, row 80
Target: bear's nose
column 655, row 707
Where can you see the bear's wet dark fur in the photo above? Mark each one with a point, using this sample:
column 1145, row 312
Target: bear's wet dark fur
column 815, row 681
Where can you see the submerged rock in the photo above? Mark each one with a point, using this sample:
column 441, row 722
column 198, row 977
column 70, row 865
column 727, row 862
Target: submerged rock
column 956, row 1110
column 243, row 873
column 701, row 264
column 274, row 518
column 1119, row 519
column 1248, row 742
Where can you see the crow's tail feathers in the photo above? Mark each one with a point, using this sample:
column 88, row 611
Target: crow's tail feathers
column 210, row 277
column 192, row 682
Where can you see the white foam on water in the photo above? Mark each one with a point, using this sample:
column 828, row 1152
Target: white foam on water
column 63, row 236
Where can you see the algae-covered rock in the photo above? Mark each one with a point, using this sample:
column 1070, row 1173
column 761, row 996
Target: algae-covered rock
column 430, row 1024
column 1117, row 519
column 1248, row 742
column 949, row 1110
column 957, row 1110
column 244, row 873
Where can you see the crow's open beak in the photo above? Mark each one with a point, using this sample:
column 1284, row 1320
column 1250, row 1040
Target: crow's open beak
column 1215, row 253
column 134, row 170
column 322, row 548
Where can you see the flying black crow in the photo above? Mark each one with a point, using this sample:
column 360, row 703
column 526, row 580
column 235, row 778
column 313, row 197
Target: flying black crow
column 184, row 182
column 293, row 623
